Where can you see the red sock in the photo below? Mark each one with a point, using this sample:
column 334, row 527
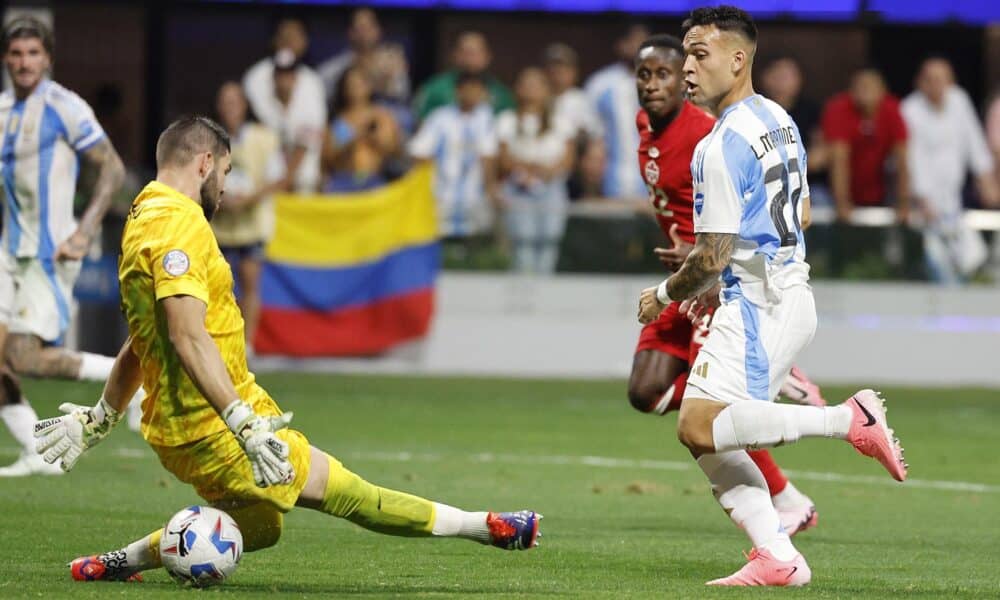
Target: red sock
column 776, row 480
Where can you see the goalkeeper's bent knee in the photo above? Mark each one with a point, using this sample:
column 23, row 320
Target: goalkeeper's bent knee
column 376, row 508
column 259, row 523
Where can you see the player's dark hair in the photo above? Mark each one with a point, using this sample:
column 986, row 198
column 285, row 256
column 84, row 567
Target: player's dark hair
column 662, row 41
column 725, row 18
column 28, row 27
column 188, row 136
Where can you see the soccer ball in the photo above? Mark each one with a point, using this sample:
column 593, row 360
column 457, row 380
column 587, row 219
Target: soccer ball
column 201, row 546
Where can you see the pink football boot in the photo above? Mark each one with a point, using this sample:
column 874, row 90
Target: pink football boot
column 764, row 569
column 798, row 388
column 870, row 433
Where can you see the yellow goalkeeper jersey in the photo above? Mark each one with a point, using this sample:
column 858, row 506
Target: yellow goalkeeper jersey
column 168, row 249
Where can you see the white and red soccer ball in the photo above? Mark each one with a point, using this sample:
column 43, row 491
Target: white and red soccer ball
column 201, row 546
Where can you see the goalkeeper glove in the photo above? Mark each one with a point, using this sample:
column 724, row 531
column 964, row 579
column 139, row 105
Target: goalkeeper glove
column 69, row 436
column 267, row 453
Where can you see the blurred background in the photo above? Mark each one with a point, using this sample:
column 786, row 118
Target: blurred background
column 409, row 222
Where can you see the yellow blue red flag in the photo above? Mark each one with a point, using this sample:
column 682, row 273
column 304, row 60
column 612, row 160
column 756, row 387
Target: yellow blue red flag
column 350, row 275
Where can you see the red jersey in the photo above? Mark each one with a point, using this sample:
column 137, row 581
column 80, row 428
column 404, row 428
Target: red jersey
column 872, row 140
column 665, row 164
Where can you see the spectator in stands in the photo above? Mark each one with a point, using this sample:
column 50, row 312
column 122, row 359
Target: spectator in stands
column 471, row 54
column 993, row 130
column 612, row 92
column 569, row 101
column 866, row 133
column 588, row 180
column 536, row 154
column 946, row 142
column 385, row 63
column 573, row 105
column 461, row 139
column 242, row 224
column 288, row 97
column 362, row 138
column 781, row 81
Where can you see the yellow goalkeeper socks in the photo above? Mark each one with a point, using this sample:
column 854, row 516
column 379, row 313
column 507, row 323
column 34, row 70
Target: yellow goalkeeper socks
column 376, row 508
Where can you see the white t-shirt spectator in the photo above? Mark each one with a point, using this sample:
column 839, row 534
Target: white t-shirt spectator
column 575, row 107
column 458, row 142
column 612, row 92
column 527, row 144
column 301, row 124
column 944, row 145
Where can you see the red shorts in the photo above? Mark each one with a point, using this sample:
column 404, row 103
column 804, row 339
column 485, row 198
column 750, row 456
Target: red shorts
column 673, row 334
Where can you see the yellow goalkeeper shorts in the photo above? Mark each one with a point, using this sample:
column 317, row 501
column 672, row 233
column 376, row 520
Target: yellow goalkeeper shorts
column 220, row 472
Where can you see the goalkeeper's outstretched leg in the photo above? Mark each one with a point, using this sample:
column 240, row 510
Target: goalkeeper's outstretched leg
column 333, row 489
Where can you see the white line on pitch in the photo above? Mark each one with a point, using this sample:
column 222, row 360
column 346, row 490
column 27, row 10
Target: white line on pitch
column 664, row 465
column 605, row 462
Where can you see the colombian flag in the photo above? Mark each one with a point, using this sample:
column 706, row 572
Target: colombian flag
column 350, row 275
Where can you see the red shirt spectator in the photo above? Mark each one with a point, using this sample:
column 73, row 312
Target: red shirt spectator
column 871, row 139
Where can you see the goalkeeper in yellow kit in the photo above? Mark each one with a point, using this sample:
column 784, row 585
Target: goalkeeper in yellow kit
column 205, row 417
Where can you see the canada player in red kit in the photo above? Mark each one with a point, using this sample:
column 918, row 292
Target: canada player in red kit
column 669, row 129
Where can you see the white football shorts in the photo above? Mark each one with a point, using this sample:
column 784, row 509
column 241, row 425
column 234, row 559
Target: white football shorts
column 750, row 349
column 36, row 296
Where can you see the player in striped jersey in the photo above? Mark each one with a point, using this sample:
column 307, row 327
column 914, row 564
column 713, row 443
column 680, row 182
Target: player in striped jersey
column 749, row 261
column 669, row 129
column 47, row 132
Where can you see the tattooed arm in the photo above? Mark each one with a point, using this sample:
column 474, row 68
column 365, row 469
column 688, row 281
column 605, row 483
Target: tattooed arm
column 111, row 174
column 711, row 254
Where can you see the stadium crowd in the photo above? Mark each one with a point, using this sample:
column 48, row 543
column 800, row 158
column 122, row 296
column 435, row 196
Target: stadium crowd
column 509, row 161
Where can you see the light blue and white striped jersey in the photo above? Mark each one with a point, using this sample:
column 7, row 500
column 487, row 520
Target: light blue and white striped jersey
column 749, row 179
column 458, row 142
column 42, row 138
column 612, row 91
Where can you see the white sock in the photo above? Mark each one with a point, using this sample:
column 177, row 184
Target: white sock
column 789, row 498
column 20, row 420
column 139, row 556
column 660, row 408
column 452, row 522
column 740, row 488
column 95, row 367
column 766, row 424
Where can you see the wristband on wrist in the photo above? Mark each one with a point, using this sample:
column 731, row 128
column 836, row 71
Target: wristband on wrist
column 661, row 293
column 236, row 415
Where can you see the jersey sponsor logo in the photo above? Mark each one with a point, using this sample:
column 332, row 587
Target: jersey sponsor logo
column 652, row 172
column 176, row 263
column 699, row 202
column 701, row 370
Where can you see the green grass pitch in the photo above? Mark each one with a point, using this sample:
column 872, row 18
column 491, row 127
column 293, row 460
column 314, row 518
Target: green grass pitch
column 627, row 514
